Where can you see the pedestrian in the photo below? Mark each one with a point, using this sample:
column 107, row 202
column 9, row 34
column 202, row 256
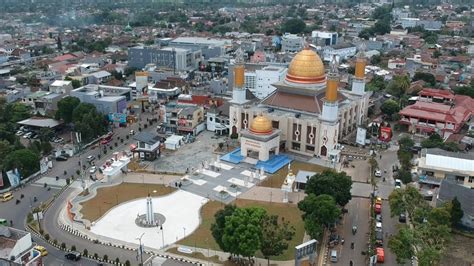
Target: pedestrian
column 380, row 156
column 11, row 223
column 176, row 184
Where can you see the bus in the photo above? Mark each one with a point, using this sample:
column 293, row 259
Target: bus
column 107, row 138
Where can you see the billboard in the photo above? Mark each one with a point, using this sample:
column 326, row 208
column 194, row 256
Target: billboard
column 361, row 135
column 118, row 118
column 385, row 134
column 14, row 177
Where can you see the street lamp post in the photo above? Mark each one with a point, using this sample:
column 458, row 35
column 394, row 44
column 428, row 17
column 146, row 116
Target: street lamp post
column 184, row 232
column 140, row 248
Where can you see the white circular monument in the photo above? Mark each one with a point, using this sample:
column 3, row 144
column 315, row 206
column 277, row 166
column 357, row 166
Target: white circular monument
column 180, row 209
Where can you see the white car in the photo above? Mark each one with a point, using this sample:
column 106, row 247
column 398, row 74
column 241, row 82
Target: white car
column 19, row 133
column 378, row 226
column 27, row 135
column 92, row 170
column 398, row 183
column 58, row 140
column 378, row 173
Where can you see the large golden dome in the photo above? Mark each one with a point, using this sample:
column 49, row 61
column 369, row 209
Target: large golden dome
column 261, row 125
column 306, row 68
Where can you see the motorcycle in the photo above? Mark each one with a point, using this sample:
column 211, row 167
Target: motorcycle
column 354, row 230
column 352, row 245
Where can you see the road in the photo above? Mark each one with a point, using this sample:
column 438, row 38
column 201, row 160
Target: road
column 18, row 212
column 358, row 215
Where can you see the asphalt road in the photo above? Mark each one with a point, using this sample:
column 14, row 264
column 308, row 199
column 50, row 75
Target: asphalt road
column 17, row 213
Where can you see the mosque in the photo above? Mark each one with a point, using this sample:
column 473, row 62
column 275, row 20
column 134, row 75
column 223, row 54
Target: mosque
column 307, row 114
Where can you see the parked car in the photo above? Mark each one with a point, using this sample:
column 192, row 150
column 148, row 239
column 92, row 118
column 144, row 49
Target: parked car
column 402, row 218
column 378, row 226
column 61, row 158
column 378, row 200
column 27, row 135
column 19, row 133
column 132, row 132
column 378, row 208
column 92, row 170
column 58, row 140
column 34, row 136
column 73, row 255
column 42, row 250
column 378, row 217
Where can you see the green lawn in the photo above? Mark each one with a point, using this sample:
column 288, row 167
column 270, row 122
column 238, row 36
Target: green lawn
column 276, row 180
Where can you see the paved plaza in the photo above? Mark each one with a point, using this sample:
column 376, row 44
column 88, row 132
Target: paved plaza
column 181, row 210
column 222, row 181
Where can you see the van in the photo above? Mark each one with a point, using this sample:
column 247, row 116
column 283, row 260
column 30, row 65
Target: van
column 7, row 196
column 333, row 255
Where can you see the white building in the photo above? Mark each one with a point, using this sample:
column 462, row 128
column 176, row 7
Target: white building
column 324, row 38
column 16, row 248
column 250, row 81
column 292, row 43
column 340, row 51
column 265, row 78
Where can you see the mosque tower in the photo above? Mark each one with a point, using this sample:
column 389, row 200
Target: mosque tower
column 239, row 91
column 330, row 113
column 358, row 82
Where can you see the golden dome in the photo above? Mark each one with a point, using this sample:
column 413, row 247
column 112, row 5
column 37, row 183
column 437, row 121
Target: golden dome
column 261, row 125
column 306, row 67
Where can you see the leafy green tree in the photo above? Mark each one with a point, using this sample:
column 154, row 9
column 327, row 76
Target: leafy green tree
column 376, row 84
column 275, row 236
column 465, row 90
column 398, row 86
column 45, row 134
column 337, row 185
column 408, row 199
column 400, row 244
column 426, row 77
column 88, row 121
column 243, row 231
column 319, row 211
column 25, row 160
column 66, row 107
column 390, row 107
column 293, row 25
column 218, row 227
column 46, row 147
column 456, row 212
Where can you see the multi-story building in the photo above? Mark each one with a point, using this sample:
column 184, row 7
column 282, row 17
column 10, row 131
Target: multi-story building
column 292, row 43
column 340, row 51
column 148, row 145
column 107, row 99
column 324, row 38
column 435, row 165
column 208, row 47
column 17, row 248
column 178, row 59
column 185, row 120
column 265, row 77
column 437, row 111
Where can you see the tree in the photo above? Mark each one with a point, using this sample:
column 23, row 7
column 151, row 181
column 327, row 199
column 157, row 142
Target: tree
column 456, row 212
column 45, row 134
column 398, row 86
column 294, row 26
column 401, row 244
column 337, row 185
column 25, row 160
column 426, row 77
column 243, row 231
column 405, row 200
column 88, row 121
column 465, row 90
column 319, row 211
column 66, row 107
column 218, row 227
column 275, row 236
column 376, row 84
column 390, row 107
column 46, row 147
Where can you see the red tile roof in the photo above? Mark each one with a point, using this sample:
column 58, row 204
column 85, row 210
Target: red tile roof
column 437, row 93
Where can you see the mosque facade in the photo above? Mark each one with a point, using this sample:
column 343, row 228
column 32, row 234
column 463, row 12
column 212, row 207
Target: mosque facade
column 308, row 110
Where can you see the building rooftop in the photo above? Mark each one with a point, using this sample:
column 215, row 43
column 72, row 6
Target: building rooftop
column 200, row 40
column 60, row 83
column 147, row 137
column 302, row 176
column 450, row 189
column 40, row 122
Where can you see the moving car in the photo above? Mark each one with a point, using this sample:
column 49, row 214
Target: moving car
column 90, row 158
column 7, row 196
column 73, row 255
column 398, row 183
column 378, row 173
column 42, row 250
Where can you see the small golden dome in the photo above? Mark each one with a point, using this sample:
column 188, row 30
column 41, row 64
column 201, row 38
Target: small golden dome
column 306, row 67
column 261, row 125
